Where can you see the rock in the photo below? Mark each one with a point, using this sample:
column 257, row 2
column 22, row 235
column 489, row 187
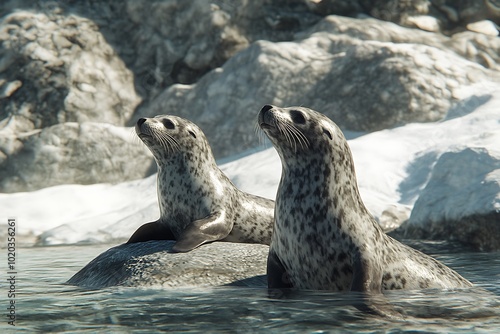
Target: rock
column 387, row 10
column 414, row 83
column 424, row 22
column 480, row 48
column 178, row 41
column 461, row 201
column 473, row 11
column 83, row 153
column 408, row 155
column 57, row 66
column 63, row 71
column 393, row 217
column 181, row 50
column 484, row 27
column 470, row 45
column 151, row 264
column 57, row 69
column 7, row 89
column 448, row 16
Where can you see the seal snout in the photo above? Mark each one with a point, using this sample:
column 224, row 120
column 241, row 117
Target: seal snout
column 141, row 128
column 138, row 125
column 266, row 116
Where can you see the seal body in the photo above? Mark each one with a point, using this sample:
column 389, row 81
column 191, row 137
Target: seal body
column 198, row 203
column 324, row 237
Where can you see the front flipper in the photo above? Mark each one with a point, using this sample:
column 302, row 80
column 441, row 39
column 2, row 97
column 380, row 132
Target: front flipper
column 151, row 231
column 212, row 228
column 277, row 277
column 367, row 279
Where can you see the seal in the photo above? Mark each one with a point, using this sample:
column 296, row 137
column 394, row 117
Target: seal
column 198, row 203
column 324, row 238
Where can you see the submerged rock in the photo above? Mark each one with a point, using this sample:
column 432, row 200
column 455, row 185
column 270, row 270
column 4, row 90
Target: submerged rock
column 152, row 264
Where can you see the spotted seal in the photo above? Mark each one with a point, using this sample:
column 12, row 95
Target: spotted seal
column 198, row 203
column 324, row 237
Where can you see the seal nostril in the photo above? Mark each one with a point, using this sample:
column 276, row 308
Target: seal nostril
column 141, row 121
column 267, row 107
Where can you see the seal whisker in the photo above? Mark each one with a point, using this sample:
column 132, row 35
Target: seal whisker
column 134, row 137
column 301, row 138
column 285, row 132
column 291, row 134
column 260, row 134
column 163, row 143
column 167, row 142
column 175, row 144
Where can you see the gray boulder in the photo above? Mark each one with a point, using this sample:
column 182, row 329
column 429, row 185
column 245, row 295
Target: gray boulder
column 152, row 264
column 60, row 69
column 363, row 85
column 461, row 200
column 83, row 153
column 177, row 41
column 448, row 16
column 476, row 47
column 53, row 70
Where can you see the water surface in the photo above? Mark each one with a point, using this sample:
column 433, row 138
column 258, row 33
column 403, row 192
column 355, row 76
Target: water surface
column 46, row 305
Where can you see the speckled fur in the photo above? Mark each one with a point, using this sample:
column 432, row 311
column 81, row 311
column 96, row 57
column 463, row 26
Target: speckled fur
column 191, row 186
column 324, row 236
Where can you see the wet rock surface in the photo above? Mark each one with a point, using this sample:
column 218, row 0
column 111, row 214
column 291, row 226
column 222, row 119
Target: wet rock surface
column 152, row 264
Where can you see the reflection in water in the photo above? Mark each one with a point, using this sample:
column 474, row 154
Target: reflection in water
column 46, row 305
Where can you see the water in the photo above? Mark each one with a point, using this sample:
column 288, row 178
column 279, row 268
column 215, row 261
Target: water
column 46, row 305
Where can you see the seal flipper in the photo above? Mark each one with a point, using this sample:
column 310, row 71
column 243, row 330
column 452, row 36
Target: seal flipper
column 212, row 228
column 277, row 276
column 367, row 279
column 151, row 231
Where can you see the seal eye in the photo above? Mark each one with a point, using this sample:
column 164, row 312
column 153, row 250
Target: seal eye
column 168, row 124
column 326, row 132
column 297, row 117
column 192, row 134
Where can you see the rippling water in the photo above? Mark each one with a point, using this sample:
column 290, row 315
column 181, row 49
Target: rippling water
column 46, row 305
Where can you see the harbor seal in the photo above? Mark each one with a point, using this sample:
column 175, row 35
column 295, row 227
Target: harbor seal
column 198, row 203
column 324, row 238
